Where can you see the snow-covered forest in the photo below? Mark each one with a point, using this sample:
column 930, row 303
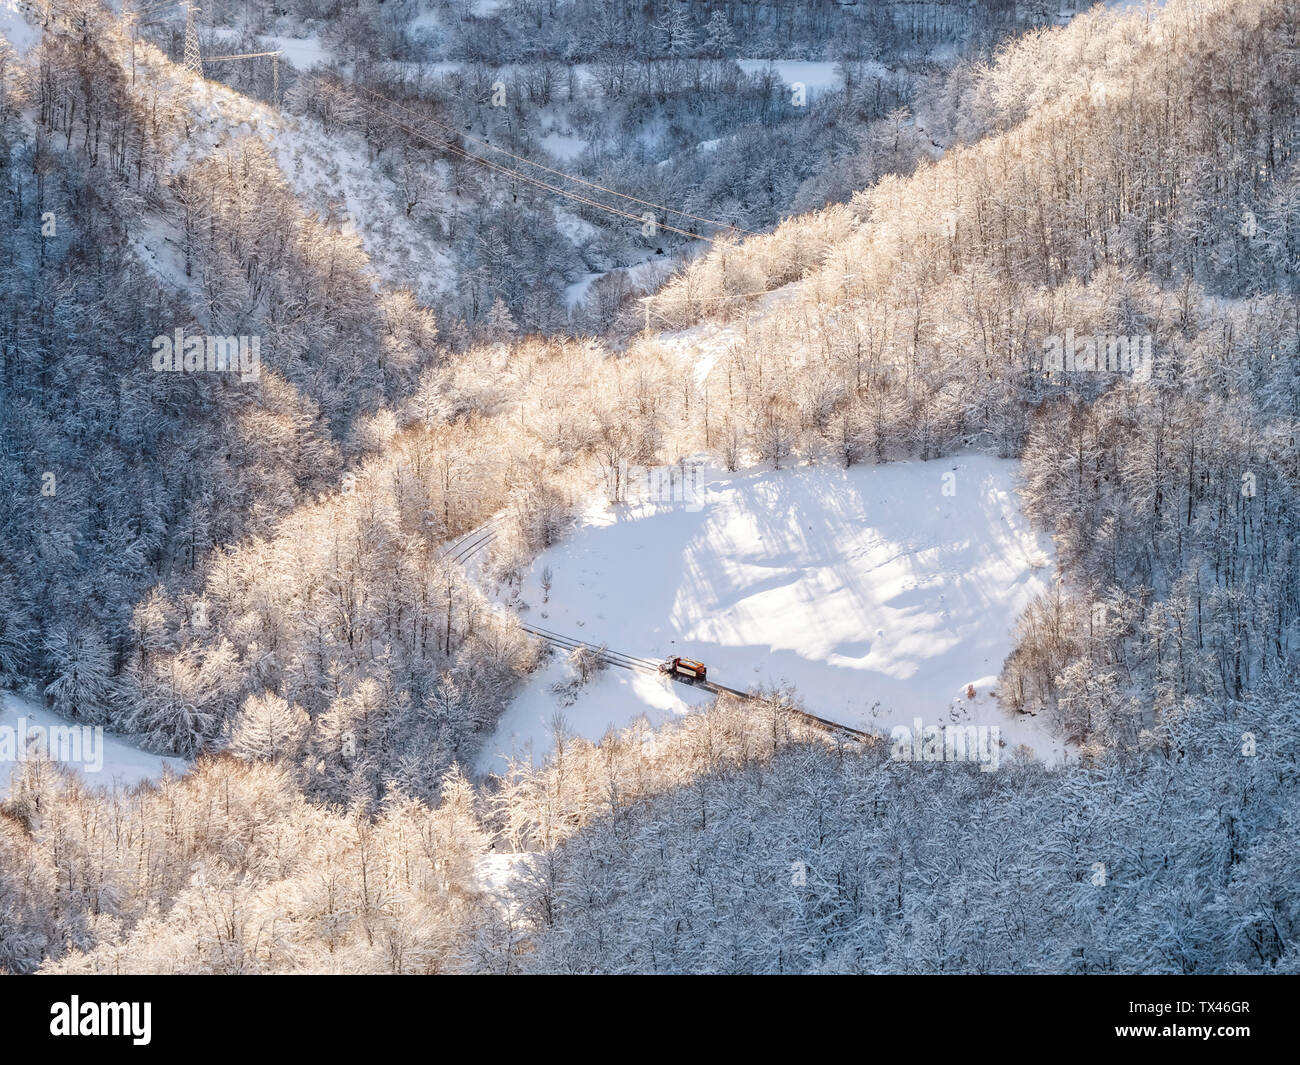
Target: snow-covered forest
column 497, row 257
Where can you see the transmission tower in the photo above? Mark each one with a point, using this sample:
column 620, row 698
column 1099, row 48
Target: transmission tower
column 193, row 57
column 275, row 68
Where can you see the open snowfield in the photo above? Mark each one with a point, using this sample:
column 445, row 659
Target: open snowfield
column 116, row 763
column 876, row 595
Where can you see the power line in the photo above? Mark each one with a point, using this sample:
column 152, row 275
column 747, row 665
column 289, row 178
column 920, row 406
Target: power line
column 551, row 170
column 275, row 68
column 193, row 62
column 536, row 182
column 558, row 173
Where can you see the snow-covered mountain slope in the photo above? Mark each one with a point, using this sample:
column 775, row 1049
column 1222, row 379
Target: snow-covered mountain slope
column 106, row 762
column 874, row 593
column 330, row 172
column 15, row 26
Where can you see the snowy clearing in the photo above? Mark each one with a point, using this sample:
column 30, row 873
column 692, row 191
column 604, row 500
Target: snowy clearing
column 564, row 146
column 816, row 76
column 877, row 596
column 116, row 763
column 305, row 53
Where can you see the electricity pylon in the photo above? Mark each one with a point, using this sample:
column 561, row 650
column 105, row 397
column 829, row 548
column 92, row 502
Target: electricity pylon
column 193, row 57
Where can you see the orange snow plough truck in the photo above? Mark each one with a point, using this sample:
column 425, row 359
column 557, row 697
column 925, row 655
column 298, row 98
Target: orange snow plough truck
column 685, row 668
